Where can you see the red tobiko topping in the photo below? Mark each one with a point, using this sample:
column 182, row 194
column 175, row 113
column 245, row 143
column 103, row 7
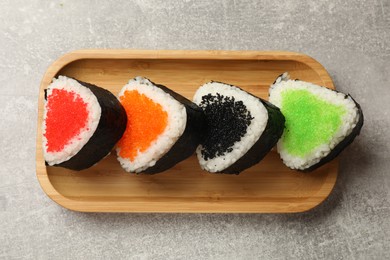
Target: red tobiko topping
column 66, row 116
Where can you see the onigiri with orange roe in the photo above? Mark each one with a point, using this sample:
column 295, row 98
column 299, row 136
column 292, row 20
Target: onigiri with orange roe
column 163, row 127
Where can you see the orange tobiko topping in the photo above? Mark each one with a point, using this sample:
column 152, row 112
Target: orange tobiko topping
column 146, row 120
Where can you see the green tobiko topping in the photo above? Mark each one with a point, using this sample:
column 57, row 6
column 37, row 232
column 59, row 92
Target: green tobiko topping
column 310, row 121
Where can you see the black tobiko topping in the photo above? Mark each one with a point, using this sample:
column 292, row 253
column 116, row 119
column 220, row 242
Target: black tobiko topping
column 227, row 120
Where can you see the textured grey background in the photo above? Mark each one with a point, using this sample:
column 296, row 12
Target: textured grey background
column 350, row 38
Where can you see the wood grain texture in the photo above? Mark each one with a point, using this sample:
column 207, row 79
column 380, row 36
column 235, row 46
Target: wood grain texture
column 105, row 187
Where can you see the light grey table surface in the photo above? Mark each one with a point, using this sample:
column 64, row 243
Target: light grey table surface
column 350, row 38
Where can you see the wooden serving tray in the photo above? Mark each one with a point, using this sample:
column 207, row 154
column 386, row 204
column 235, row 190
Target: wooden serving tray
column 105, row 187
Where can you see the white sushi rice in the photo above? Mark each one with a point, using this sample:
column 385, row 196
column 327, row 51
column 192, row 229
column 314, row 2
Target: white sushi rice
column 78, row 141
column 177, row 120
column 253, row 132
column 349, row 119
